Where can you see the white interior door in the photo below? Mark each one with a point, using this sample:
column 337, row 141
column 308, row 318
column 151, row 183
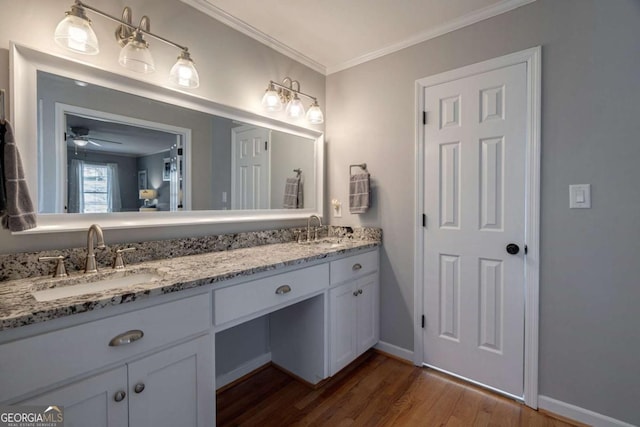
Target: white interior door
column 250, row 175
column 474, row 196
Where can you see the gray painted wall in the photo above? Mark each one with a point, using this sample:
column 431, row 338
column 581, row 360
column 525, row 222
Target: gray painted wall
column 221, row 162
column 289, row 152
column 589, row 343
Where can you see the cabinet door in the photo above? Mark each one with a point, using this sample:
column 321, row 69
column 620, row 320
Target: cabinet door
column 91, row 402
column 173, row 387
column 367, row 309
column 343, row 326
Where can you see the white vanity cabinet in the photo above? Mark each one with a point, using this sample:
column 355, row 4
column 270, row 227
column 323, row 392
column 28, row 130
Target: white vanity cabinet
column 164, row 389
column 162, row 377
column 354, row 308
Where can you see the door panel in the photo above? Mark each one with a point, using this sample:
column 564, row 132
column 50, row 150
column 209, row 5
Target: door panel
column 91, row 401
column 250, row 175
column 475, row 196
column 175, row 388
column 343, row 326
column 367, row 311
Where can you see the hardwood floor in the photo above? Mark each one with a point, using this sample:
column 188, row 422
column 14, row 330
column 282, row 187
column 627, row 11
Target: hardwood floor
column 374, row 391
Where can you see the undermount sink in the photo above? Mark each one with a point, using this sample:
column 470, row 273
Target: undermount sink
column 73, row 287
column 326, row 243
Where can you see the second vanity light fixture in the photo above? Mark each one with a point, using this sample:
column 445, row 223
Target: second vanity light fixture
column 277, row 95
column 75, row 33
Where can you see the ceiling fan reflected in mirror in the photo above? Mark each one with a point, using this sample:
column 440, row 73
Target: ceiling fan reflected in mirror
column 80, row 137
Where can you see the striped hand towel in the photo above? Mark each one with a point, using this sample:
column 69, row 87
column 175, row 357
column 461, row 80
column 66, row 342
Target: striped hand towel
column 359, row 193
column 19, row 214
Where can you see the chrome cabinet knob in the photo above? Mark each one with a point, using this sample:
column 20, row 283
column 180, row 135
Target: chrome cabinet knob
column 138, row 388
column 119, row 396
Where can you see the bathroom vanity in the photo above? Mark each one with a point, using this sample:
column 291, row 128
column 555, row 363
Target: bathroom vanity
column 139, row 347
column 144, row 354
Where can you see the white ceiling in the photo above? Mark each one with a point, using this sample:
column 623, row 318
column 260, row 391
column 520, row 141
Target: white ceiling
column 332, row 35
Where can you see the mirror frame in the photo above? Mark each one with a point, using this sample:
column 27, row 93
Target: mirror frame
column 25, row 62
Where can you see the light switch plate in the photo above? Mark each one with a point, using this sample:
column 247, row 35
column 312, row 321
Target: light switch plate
column 580, row 196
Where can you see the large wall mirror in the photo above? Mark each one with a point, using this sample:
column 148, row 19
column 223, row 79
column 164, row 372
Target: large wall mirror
column 101, row 147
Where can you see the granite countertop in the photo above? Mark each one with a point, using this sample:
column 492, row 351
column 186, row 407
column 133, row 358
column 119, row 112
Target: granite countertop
column 18, row 307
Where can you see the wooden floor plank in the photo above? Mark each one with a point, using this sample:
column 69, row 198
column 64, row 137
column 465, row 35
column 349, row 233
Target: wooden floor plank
column 375, row 391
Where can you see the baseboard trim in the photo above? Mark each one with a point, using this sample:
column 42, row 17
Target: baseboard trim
column 577, row 413
column 395, row 351
column 248, row 368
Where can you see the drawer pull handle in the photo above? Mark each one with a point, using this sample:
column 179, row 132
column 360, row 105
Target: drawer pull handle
column 126, row 338
column 119, row 396
column 139, row 388
column 284, row 289
column 356, row 267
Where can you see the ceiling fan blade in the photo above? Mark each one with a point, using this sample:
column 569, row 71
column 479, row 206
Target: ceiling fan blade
column 106, row 140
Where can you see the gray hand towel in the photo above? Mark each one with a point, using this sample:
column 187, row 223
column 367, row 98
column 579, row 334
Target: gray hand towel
column 359, row 193
column 292, row 193
column 19, row 215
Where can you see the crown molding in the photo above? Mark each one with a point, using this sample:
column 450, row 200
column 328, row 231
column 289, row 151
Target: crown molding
column 456, row 24
column 239, row 25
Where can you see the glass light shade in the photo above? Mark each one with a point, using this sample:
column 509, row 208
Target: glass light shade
column 314, row 114
column 80, row 142
column 271, row 100
column 136, row 55
column 184, row 73
column 295, row 109
column 75, row 34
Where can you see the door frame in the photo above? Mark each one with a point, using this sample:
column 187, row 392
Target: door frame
column 532, row 58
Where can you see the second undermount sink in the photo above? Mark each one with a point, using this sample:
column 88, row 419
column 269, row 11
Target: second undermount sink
column 82, row 285
column 326, row 243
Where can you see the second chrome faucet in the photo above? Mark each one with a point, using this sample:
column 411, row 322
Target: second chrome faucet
column 95, row 230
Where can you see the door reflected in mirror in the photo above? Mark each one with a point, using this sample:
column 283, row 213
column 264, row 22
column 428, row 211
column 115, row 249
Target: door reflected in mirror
column 99, row 148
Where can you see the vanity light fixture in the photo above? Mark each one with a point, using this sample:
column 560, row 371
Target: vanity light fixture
column 278, row 94
column 75, row 33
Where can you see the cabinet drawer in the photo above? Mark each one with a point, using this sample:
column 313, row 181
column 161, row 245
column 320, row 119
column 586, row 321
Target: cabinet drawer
column 354, row 266
column 259, row 295
column 43, row 360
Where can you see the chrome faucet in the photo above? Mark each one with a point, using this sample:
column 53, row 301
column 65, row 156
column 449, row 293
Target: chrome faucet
column 309, row 227
column 90, row 265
